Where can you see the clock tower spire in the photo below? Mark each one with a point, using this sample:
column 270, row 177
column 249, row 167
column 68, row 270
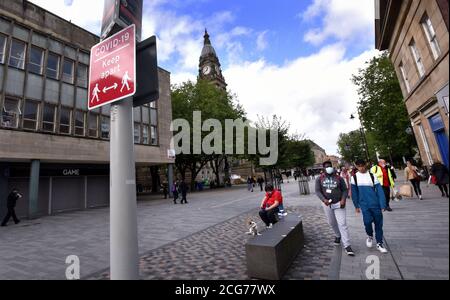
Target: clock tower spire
column 210, row 68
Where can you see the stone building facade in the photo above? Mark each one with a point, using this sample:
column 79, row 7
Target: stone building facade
column 51, row 147
column 416, row 34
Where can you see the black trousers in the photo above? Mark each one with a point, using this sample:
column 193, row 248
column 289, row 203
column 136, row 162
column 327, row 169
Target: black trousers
column 269, row 217
column 416, row 185
column 387, row 195
column 443, row 188
column 183, row 198
column 11, row 213
column 175, row 197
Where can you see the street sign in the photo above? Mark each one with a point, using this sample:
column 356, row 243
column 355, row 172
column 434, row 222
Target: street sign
column 118, row 14
column 112, row 72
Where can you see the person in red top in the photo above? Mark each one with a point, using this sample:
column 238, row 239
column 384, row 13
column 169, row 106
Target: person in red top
column 270, row 206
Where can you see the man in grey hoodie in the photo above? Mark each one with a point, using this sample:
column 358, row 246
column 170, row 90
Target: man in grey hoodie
column 332, row 191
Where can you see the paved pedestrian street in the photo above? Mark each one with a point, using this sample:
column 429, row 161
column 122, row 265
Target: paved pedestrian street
column 206, row 240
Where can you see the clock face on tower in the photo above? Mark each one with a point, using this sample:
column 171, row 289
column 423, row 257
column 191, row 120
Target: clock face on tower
column 207, row 70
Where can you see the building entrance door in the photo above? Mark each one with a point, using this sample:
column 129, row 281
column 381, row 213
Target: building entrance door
column 437, row 125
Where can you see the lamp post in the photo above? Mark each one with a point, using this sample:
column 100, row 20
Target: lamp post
column 364, row 138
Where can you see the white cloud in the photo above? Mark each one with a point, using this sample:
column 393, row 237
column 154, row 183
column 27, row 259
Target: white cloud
column 261, row 41
column 313, row 93
column 343, row 20
column 84, row 13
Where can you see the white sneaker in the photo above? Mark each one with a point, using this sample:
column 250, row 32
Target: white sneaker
column 369, row 242
column 270, row 226
column 381, row 248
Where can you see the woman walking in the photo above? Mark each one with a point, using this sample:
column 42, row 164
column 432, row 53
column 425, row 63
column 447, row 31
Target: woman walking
column 440, row 173
column 412, row 174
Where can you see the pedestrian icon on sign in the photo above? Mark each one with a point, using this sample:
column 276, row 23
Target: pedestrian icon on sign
column 95, row 94
column 125, row 83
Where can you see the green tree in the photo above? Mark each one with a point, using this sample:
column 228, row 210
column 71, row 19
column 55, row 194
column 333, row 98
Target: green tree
column 213, row 103
column 382, row 109
column 351, row 146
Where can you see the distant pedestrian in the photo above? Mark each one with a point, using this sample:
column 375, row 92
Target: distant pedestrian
column 332, row 191
column 369, row 198
column 250, row 184
column 270, row 206
column 175, row 192
column 384, row 176
column 183, row 190
column 11, row 205
column 261, row 183
column 412, row 174
column 165, row 190
column 345, row 174
column 440, row 173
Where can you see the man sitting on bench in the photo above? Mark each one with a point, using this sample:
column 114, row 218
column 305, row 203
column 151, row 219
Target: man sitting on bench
column 270, row 206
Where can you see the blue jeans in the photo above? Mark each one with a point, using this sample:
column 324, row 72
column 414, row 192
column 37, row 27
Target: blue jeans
column 370, row 216
column 281, row 208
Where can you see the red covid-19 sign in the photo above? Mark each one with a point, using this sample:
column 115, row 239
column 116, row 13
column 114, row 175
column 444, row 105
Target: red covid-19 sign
column 112, row 72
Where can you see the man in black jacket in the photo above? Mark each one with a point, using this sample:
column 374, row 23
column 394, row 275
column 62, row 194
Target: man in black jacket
column 183, row 190
column 11, row 205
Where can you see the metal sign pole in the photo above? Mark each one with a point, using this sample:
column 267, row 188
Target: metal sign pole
column 123, row 215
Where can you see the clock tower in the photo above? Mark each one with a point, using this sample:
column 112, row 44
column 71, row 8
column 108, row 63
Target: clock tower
column 210, row 68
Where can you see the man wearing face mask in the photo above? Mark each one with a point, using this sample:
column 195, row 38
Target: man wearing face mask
column 332, row 191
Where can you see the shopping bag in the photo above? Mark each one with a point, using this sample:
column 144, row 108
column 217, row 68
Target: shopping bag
column 396, row 194
column 406, row 191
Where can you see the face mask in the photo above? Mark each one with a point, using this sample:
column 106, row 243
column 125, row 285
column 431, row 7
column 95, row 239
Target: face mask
column 329, row 170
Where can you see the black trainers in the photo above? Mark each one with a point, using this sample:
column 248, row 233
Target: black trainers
column 17, row 222
column 337, row 241
column 349, row 251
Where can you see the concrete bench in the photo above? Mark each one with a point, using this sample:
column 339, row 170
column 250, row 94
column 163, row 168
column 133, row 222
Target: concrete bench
column 270, row 255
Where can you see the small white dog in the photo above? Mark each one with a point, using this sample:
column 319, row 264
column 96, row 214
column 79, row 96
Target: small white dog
column 253, row 228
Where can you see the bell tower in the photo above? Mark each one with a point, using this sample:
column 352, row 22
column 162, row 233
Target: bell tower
column 210, row 68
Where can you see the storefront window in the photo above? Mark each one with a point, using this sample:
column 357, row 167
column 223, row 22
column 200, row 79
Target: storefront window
column 79, row 123
column 53, row 62
column 137, row 133
column 154, row 137
column 11, row 113
column 145, row 137
column 82, row 77
column 105, row 128
column 30, row 115
column 93, row 125
column 2, row 48
column 67, row 74
column 17, row 56
column 65, row 120
column 48, row 121
column 35, row 65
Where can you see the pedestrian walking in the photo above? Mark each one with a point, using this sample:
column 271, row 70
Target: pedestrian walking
column 385, row 178
column 332, row 191
column 270, row 206
column 165, row 190
column 175, row 192
column 250, row 184
column 369, row 198
column 11, row 203
column 412, row 174
column 440, row 174
column 345, row 174
column 183, row 190
column 261, row 183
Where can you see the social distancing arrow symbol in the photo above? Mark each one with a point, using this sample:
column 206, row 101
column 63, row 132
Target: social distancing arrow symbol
column 106, row 89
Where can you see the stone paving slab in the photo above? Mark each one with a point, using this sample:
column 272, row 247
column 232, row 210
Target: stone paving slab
column 218, row 253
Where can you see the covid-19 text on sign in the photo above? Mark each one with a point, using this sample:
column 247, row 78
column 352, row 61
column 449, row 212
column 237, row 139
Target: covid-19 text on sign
column 112, row 72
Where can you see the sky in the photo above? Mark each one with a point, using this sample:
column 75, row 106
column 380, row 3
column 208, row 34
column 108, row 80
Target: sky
column 292, row 58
